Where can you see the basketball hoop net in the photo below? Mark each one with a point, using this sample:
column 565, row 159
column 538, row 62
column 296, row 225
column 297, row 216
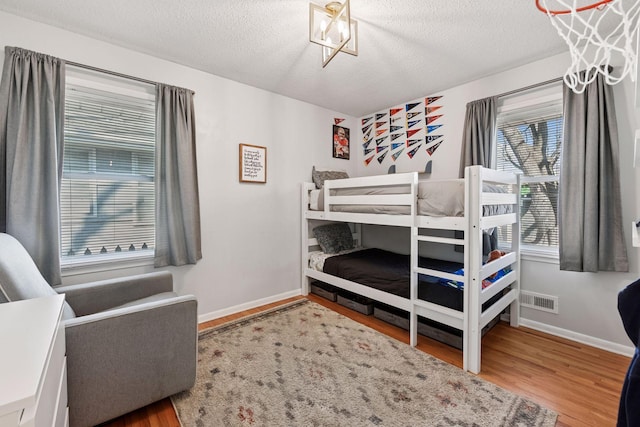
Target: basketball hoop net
column 600, row 36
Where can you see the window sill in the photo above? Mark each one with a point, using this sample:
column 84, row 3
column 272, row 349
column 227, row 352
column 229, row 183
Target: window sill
column 549, row 257
column 529, row 253
column 100, row 263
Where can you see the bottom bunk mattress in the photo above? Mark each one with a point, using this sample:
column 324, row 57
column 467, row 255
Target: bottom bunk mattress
column 391, row 272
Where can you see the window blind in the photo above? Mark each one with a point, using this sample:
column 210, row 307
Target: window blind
column 529, row 141
column 107, row 202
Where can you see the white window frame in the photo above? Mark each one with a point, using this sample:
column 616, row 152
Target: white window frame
column 110, row 261
column 546, row 96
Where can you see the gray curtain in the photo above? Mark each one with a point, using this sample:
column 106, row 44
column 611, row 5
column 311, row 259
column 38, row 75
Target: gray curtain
column 478, row 134
column 31, row 141
column 590, row 212
column 477, row 145
column 178, row 239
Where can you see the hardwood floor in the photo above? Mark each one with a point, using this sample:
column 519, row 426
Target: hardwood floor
column 579, row 382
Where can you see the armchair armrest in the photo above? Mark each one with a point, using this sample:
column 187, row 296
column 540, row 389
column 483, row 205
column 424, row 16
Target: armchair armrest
column 150, row 347
column 93, row 297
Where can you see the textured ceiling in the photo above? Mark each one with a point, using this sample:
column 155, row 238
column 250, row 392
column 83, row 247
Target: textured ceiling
column 408, row 48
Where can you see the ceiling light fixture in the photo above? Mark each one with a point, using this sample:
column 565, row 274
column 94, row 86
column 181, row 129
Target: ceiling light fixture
column 331, row 27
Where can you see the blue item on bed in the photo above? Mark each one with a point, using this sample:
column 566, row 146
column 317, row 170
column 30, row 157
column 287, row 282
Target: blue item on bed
column 486, row 282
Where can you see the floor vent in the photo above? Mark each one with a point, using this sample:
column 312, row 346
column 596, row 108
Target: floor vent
column 537, row 301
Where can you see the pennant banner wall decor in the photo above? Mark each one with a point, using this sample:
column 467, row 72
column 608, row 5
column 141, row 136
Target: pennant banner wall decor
column 404, row 124
column 431, row 119
column 412, row 132
column 431, row 128
column 433, row 148
column 430, row 110
column 414, row 151
column 411, row 106
column 381, row 158
column 381, row 140
column 395, row 155
column 338, row 121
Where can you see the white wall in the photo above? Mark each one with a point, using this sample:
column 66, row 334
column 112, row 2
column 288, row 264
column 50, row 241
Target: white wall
column 587, row 301
column 250, row 232
column 251, row 247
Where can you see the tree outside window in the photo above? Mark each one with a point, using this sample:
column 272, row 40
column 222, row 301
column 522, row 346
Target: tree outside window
column 531, row 143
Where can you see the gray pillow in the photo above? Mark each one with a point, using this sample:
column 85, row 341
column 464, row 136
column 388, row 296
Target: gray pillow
column 334, row 238
column 320, row 176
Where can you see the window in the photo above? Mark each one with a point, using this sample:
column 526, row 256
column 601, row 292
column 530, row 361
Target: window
column 107, row 191
column 529, row 141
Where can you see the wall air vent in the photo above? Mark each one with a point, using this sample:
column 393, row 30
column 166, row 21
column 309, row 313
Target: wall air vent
column 548, row 303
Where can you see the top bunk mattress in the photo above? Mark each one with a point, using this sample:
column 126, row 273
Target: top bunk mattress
column 443, row 198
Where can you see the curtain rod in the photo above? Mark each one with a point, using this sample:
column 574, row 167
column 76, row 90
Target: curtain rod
column 114, row 73
column 533, row 86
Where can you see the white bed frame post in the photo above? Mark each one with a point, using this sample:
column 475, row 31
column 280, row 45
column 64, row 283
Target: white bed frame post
column 514, row 308
column 304, row 233
column 413, row 315
column 473, row 262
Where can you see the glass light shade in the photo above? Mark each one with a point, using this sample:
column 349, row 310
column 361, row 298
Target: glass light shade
column 333, row 29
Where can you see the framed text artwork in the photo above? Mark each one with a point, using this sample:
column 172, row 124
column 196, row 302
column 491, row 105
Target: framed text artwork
column 340, row 142
column 253, row 163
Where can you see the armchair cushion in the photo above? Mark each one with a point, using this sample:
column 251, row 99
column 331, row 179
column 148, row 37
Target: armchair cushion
column 19, row 276
column 153, row 298
column 94, row 297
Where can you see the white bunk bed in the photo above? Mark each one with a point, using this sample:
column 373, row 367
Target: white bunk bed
column 476, row 218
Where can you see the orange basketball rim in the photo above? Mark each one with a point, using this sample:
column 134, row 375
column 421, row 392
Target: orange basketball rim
column 567, row 11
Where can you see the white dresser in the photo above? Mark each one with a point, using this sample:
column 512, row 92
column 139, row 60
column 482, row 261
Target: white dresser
column 33, row 378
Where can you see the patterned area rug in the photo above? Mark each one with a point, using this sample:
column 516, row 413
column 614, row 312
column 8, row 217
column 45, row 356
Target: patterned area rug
column 305, row 365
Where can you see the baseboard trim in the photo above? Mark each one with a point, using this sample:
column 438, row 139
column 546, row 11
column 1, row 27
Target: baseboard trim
column 581, row 338
column 247, row 306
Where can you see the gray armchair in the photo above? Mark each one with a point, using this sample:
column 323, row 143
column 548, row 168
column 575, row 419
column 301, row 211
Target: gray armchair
column 130, row 341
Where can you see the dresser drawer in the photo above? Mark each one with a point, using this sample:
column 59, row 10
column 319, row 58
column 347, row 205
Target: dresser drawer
column 61, row 406
column 48, row 397
column 10, row 420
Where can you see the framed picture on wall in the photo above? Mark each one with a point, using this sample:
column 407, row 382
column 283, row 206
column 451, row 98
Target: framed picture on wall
column 340, row 142
column 253, row 163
